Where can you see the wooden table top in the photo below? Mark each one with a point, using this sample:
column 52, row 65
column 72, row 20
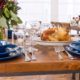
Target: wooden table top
column 47, row 60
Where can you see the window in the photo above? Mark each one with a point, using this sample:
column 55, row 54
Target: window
column 34, row 10
column 68, row 9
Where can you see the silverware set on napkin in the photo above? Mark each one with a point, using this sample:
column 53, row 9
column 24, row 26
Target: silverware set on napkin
column 29, row 53
column 59, row 50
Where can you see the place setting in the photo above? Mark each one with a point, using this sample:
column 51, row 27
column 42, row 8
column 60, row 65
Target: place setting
column 73, row 49
column 9, row 51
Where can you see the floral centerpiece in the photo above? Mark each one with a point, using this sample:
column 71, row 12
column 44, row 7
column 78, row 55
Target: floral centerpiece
column 8, row 14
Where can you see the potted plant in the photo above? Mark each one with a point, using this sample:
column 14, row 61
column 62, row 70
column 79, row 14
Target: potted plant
column 8, row 14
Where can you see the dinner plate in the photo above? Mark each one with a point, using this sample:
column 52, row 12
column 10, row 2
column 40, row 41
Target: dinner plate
column 72, row 51
column 11, row 51
column 75, row 45
column 3, row 45
column 12, row 55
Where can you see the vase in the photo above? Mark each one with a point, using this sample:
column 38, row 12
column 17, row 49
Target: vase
column 10, row 34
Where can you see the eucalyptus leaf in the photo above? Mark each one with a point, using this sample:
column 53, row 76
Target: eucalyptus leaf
column 15, row 17
column 6, row 12
column 3, row 22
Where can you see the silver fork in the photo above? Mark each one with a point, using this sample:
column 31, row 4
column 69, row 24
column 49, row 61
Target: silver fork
column 69, row 55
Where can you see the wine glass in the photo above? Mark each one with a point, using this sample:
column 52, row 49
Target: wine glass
column 20, row 33
column 32, row 29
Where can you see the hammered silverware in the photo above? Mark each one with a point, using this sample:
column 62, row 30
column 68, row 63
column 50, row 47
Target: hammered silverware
column 69, row 55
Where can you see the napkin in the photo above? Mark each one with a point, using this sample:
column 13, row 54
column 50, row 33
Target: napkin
column 14, row 51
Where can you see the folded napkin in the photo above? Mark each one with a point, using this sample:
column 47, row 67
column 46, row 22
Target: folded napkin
column 14, row 51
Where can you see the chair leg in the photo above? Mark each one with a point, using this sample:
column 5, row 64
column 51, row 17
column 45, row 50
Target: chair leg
column 73, row 76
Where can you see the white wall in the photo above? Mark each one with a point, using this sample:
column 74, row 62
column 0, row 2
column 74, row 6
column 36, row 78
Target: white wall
column 32, row 10
column 49, row 10
column 54, row 10
column 65, row 10
column 76, row 7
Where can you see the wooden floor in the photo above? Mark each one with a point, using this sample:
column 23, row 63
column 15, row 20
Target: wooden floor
column 39, row 77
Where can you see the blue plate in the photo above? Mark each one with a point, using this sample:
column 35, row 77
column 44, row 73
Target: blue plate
column 7, row 54
column 3, row 49
column 12, row 55
column 72, row 51
column 75, row 46
column 4, row 54
column 76, row 42
column 3, row 46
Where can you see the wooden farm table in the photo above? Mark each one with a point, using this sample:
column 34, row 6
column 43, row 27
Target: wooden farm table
column 47, row 63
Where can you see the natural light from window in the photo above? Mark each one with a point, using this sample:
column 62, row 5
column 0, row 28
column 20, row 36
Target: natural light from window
column 47, row 10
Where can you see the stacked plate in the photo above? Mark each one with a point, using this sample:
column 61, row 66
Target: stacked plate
column 9, row 51
column 74, row 48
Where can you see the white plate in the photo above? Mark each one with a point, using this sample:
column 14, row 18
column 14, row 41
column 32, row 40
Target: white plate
column 51, row 43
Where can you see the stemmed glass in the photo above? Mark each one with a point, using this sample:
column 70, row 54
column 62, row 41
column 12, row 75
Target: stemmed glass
column 32, row 30
column 20, row 33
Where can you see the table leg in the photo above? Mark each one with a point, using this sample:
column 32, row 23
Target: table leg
column 73, row 76
column 79, row 76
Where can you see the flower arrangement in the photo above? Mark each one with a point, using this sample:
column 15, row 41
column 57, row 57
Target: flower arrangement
column 8, row 13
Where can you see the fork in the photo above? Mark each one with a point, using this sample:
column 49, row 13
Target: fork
column 69, row 55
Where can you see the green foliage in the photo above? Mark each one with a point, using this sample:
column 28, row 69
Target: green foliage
column 8, row 14
column 3, row 22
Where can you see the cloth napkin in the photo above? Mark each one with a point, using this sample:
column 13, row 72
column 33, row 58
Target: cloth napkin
column 14, row 51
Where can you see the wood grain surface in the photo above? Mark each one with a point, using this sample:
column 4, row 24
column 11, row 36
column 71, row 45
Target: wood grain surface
column 47, row 60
